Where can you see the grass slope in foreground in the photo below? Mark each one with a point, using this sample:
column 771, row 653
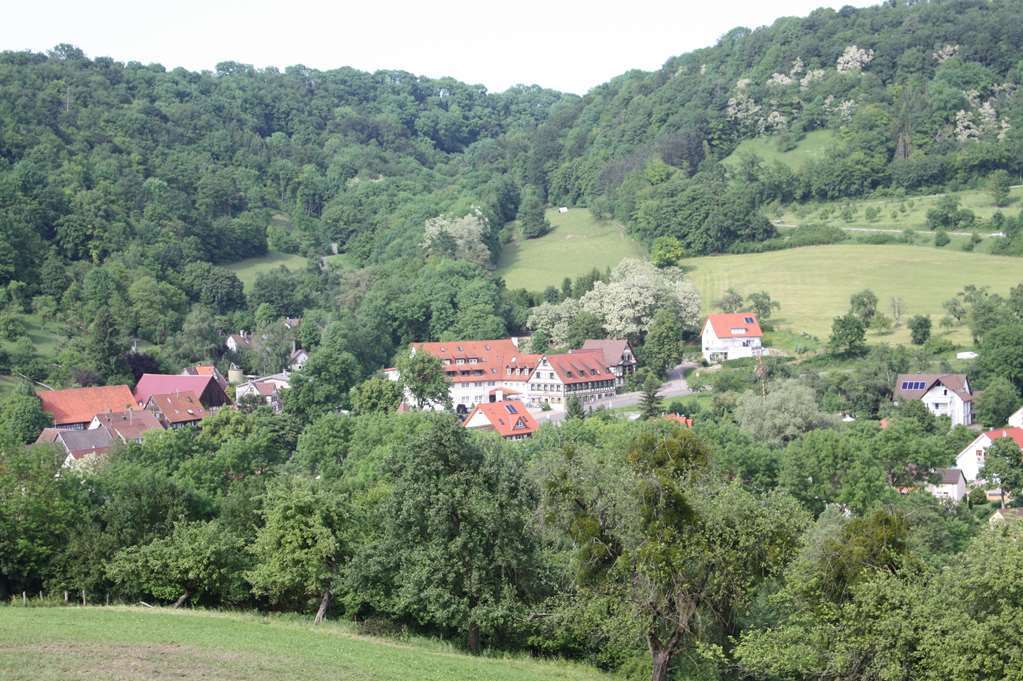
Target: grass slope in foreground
column 813, row 284
column 248, row 269
column 47, row 644
column 578, row 243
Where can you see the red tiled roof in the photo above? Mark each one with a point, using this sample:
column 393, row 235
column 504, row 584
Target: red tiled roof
column 509, row 418
column 1015, row 433
column 491, row 360
column 130, row 424
column 735, row 325
column 167, row 384
column 178, row 408
column 79, row 405
column 580, row 367
column 682, row 420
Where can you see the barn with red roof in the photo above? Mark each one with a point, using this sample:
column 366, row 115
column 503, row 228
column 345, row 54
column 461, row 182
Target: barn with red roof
column 74, row 408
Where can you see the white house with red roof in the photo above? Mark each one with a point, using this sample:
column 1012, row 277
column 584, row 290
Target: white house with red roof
column 731, row 336
column 971, row 460
column 508, row 418
column 583, row 374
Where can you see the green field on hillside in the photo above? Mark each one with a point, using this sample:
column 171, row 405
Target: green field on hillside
column 813, row 146
column 895, row 213
column 813, row 284
column 101, row 644
column 578, row 243
column 248, row 269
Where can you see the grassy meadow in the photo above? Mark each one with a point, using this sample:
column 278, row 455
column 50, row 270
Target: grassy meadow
column 813, row 284
column 578, row 243
column 813, row 146
column 895, row 213
column 248, row 269
column 104, row 644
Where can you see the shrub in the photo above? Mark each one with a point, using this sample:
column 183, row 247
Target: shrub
column 941, row 238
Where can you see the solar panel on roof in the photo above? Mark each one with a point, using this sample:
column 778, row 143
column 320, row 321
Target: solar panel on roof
column 749, row 320
column 511, row 409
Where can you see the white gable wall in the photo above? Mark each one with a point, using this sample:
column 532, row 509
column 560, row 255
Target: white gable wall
column 971, row 460
column 719, row 349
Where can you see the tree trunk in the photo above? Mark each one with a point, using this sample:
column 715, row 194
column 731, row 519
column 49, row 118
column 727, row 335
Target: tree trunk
column 662, row 663
column 321, row 613
column 473, row 640
column 181, row 599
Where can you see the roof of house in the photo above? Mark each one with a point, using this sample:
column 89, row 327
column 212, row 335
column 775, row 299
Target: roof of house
column 1015, row 433
column 264, row 388
column 79, row 443
column 1008, row 513
column 241, row 339
column 492, row 360
column 580, row 367
column 167, row 384
column 508, row 418
column 949, row 476
column 79, row 405
column 130, row 424
column 735, row 325
column 613, row 349
column 681, row 420
column 915, row 386
column 206, row 370
column 178, row 407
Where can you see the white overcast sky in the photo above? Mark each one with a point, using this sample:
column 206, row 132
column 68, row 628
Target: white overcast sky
column 570, row 46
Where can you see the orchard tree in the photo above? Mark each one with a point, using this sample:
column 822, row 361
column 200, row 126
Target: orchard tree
column 863, row 305
column 919, row 329
column 999, row 185
column 199, row 561
column 667, row 251
column 531, row 216
column 997, row 402
column 731, row 301
column 302, row 547
column 762, row 304
column 848, row 335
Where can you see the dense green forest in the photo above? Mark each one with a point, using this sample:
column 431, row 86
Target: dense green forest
column 124, row 188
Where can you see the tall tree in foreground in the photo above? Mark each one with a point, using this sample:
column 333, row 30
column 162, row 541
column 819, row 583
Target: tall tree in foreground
column 1004, row 463
column 683, row 550
column 662, row 348
column 302, row 547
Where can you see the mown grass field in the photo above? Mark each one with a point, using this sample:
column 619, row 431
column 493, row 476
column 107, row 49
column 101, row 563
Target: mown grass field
column 248, row 269
column 117, row 643
column 813, row 146
column 896, row 213
column 578, row 243
column 813, row 284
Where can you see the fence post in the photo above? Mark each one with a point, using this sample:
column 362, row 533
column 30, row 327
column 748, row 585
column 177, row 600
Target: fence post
column 83, row 596
column 65, row 597
column 24, row 598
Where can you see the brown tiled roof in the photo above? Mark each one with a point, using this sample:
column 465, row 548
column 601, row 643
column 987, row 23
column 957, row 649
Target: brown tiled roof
column 79, row 405
column 490, row 360
column 580, row 367
column 955, row 382
column 178, row 408
column 613, row 348
column 129, row 425
column 509, row 418
column 949, row 476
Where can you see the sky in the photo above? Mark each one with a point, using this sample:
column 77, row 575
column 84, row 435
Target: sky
column 570, row 46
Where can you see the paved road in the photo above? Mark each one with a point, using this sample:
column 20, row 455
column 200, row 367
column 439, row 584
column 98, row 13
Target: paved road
column 675, row 386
